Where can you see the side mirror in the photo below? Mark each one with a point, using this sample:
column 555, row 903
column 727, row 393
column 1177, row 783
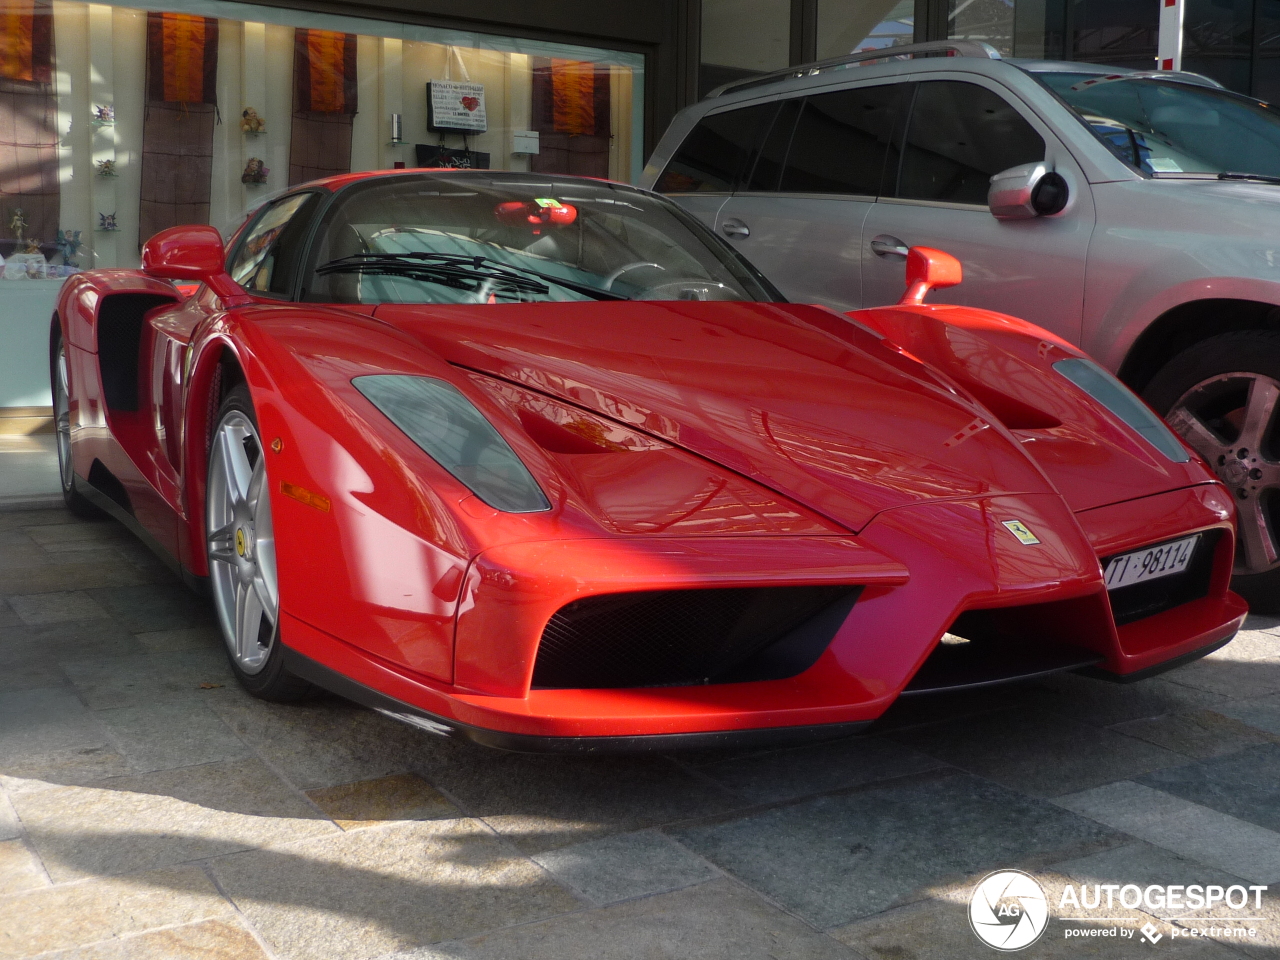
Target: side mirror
column 1025, row 192
column 193, row 253
column 928, row 268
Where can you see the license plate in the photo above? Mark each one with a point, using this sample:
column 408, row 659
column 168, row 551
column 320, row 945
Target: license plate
column 1151, row 563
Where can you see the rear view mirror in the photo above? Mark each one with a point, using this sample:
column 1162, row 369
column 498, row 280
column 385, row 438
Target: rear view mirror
column 1025, row 192
column 928, row 268
column 191, row 254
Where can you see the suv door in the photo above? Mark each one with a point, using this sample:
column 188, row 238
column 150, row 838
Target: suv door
column 960, row 133
column 712, row 159
column 798, row 213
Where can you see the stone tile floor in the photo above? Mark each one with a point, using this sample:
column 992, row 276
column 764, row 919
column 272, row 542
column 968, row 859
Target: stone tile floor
column 150, row 809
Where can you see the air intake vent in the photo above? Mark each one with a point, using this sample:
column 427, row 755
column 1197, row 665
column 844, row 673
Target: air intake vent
column 674, row 637
column 1163, row 593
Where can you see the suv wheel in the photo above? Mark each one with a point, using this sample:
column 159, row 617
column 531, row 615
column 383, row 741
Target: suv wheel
column 1221, row 396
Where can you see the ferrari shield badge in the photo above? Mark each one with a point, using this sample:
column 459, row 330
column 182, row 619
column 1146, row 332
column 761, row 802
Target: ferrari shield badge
column 1019, row 530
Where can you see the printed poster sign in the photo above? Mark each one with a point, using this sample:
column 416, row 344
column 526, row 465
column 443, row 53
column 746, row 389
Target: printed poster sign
column 452, row 105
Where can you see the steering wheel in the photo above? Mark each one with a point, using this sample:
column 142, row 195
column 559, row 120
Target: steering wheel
column 613, row 277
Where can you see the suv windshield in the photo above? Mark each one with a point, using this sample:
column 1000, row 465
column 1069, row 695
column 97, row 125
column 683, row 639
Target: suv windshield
column 474, row 237
column 1166, row 128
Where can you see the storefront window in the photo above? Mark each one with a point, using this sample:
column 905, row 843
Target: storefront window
column 851, row 26
column 741, row 38
column 116, row 122
column 119, row 121
column 1122, row 33
column 1217, row 41
column 990, row 21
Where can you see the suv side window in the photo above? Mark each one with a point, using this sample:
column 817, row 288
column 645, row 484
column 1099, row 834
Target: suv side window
column 841, row 141
column 717, row 151
column 267, row 258
column 959, row 135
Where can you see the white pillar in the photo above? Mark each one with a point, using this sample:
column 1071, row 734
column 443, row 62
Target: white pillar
column 102, row 92
column 1170, row 49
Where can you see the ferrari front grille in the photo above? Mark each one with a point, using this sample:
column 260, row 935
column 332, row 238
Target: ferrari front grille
column 1150, row 597
column 677, row 637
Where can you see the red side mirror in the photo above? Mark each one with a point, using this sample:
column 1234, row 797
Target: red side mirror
column 190, row 253
column 928, row 268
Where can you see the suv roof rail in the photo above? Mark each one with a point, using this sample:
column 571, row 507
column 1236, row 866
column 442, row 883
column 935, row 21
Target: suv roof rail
column 950, row 48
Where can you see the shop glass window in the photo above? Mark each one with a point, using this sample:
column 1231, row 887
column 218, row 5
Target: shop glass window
column 717, row 151
column 741, row 38
column 960, row 134
column 852, row 26
column 117, row 122
column 841, row 141
column 267, row 258
column 1217, row 41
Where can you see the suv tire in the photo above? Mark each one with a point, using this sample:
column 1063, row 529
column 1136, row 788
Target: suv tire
column 1222, row 396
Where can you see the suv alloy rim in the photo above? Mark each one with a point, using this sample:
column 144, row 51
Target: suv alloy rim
column 242, row 555
column 1229, row 419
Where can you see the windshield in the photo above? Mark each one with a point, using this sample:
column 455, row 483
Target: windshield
column 443, row 237
column 1166, row 128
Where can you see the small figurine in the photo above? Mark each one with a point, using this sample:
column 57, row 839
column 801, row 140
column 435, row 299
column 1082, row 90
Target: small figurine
column 255, row 171
column 106, row 168
column 32, row 245
column 107, row 221
column 18, row 222
column 68, row 244
column 104, row 113
column 250, row 122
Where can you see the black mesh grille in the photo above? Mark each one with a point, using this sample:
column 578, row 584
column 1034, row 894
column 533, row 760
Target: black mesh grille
column 670, row 637
column 1155, row 596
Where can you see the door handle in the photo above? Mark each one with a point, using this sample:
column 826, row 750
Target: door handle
column 887, row 246
column 735, row 229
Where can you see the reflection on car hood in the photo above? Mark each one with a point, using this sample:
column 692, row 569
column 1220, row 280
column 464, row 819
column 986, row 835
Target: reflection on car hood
column 796, row 397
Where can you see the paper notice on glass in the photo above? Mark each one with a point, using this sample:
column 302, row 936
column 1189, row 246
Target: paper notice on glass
column 456, row 106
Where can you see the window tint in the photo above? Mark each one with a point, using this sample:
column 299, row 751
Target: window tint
column 717, row 151
column 768, row 165
column 268, row 256
column 841, row 141
column 961, row 134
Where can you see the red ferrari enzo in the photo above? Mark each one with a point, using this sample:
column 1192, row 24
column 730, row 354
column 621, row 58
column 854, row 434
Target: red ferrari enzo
column 540, row 461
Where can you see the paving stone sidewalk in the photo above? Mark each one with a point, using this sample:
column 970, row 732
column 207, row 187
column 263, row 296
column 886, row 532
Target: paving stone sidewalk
column 150, row 809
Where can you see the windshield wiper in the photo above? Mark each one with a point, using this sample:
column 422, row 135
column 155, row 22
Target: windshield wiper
column 458, row 264
column 450, row 275
column 1258, row 177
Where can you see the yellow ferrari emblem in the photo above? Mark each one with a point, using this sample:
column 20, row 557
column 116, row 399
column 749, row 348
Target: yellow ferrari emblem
column 1019, row 530
column 240, row 542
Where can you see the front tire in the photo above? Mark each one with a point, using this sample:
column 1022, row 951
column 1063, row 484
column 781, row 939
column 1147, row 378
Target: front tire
column 60, row 387
column 1222, row 396
column 240, row 539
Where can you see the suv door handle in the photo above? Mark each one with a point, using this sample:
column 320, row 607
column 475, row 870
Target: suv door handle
column 887, row 246
column 735, row 229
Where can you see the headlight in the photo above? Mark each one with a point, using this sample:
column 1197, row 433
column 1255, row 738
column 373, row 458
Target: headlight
column 439, row 419
column 1120, row 400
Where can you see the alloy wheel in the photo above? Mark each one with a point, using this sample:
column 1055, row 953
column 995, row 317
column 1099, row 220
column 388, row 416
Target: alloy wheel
column 1230, row 420
column 242, row 555
column 62, row 416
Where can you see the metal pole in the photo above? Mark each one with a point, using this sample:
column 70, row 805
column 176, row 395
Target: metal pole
column 1169, row 53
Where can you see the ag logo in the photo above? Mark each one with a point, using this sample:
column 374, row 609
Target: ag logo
column 1008, row 910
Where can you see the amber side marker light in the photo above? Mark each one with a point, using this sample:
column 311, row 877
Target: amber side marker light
column 303, row 495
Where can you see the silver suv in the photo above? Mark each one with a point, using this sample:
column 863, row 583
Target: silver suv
column 1136, row 214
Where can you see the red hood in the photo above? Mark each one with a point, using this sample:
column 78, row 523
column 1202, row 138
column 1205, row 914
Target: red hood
column 796, row 397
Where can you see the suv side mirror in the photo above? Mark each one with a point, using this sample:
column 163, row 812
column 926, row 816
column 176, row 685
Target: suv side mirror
column 1025, row 192
column 190, row 253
